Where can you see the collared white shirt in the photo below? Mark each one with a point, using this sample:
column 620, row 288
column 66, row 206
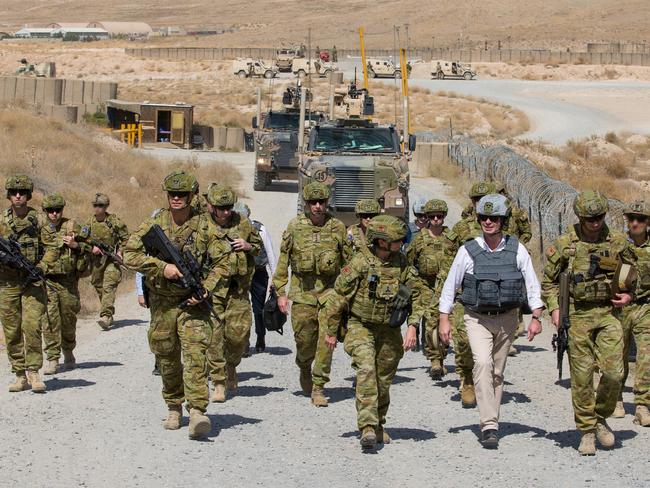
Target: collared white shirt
column 270, row 252
column 463, row 263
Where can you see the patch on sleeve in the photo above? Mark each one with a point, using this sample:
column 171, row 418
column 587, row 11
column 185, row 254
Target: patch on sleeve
column 550, row 251
column 346, row 270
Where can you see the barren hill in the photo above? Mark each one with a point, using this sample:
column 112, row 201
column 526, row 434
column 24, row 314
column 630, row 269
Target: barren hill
column 265, row 22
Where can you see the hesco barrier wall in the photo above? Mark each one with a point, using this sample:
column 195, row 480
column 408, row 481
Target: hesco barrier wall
column 465, row 55
column 549, row 202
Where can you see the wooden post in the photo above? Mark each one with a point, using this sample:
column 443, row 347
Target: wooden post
column 541, row 233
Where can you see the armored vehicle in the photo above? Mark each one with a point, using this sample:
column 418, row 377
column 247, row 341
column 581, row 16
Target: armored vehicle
column 285, row 55
column 441, row 69
column 248, row 67
column 383, row 68
column 300, row 67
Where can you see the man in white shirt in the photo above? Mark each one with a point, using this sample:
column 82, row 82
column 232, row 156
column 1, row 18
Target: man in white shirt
column 496, row 276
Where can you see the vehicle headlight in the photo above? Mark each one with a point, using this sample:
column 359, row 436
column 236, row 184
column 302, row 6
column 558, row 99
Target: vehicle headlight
column 261, row 161
column 399, row 202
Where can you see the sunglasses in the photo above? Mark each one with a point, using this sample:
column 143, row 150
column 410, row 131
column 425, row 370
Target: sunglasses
column 318, row 200
column 639, row 218
column 596, row 218
column 366, row 216
column 437, row 216
column 20, row 193
column 178, row 194
column 225, row 207
column 491, row 218
column 54, row 210
column 99, row 205
column 419, row 216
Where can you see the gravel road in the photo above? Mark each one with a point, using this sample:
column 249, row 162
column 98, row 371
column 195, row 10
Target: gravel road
column 99, row 426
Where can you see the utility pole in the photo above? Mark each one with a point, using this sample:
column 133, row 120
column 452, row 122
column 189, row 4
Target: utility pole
column 406, row 28
column 309, row 59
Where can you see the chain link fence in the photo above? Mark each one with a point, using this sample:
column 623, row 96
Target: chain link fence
column 549, row 202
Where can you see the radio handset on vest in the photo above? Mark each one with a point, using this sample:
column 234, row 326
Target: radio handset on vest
column 373, row 280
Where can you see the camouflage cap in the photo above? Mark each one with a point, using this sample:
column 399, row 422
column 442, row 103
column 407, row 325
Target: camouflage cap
column 221, row 196
column 590, row 203
column 53, row 200
column 19, row 182
column 367, row 206
column 386, row 227
column 481, row 188
column 179, row 181
column 435, row 206
column 101, row 199
column 316, row 191
column 638, row 207
column 242, row 209
column 494, row 204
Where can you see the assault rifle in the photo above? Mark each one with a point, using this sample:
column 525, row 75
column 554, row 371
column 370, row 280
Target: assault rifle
column 158, row 244
column 602, row 264
column 560, row 340
column 12, row 256
column 108, row 251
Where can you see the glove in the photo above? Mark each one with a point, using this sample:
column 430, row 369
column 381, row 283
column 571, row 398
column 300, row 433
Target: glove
column 403, row 298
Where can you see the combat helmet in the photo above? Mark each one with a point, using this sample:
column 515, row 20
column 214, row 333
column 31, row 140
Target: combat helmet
column 19, row 182
column 53, row 200
column 435, row 206
column 221, row 196
column 590, row 203
column 101, row 199
column 494, row 205
column 386, row 227
column 638, row 207
column 316, row 191
column 179, row 181
column 242, row 209
column 481, row 188
column 418, row 206
column 367, row 206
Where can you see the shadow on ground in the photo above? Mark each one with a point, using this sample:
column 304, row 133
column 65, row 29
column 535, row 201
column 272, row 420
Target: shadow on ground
column 97, row 364
column 63, row 384
column 257, row 391
column 253, row 375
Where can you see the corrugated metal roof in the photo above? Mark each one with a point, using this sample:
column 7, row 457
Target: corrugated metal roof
column 123, row 27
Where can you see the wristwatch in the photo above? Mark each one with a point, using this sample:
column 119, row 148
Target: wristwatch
column 539, row 319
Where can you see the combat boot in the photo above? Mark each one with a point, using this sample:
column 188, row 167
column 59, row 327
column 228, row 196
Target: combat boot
column 642, row 416
column 436, row 372
column 105, row 322
column 318, row 396
column 305, row 380
column 231, row 377
column 199, row 424
column 20, row 384
column 34, row 379
column 52, row 367
column 604, row 434
column 219, row 393
column 587, row 445
column 382, row 435
column 619, row 411
column 468, row 396
column 368, row 438
column 513, row 351
column 69, row 361
column 174, row 416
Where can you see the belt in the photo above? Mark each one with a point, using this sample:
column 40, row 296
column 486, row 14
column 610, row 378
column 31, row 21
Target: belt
column 499, row 312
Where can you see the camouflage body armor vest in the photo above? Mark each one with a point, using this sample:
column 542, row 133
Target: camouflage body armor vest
column 372, row 302
column 316, row 250
column 591, row 283
column 26, row 232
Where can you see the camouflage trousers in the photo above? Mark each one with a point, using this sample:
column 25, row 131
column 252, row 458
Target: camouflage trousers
column 174, row 332
column 636, row 322
column 376, row 351
column 595, row 341
column 21, row 309
column 105, row 277
column 230, row 336
column 310, row 343
column 462, row 349
column 60, row 323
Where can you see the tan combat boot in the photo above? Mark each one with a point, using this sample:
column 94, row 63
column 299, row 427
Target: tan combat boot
column 587, row 444
column 468, row 396
column 69, row 361
column 318, row 396
column 20, row 384
column 436, row 372
column 305, row 380
column 382, row 435
column 231, row 377
column 52, row 367
column 105, row 322
column 368, row 438
column 619, row 411
column 604, row 434
column 174, row 417
column 513, row 351
column 642, row 416
column 199, row 424
column 219, row 393
column 34, row 379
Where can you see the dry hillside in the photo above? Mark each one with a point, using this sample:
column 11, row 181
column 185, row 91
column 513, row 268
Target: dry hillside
column 264, row 22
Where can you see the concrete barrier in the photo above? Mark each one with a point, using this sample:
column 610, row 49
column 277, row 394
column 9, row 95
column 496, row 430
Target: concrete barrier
column 64, row 113
column 220, row 137
column 426, row 155
column 235, row 139
column 10, row 89
column 335, row 77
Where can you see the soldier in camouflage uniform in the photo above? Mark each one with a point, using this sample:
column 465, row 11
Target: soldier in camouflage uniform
column 106, row 275
column 59, row 263
column 174, row 330
column 431, row 252
column 467, row 228
column 315, row 246
column 368, row 290
column 231, row 299
column 22, row 304
column 364, row 209
column 596, row 334
column 636, row 316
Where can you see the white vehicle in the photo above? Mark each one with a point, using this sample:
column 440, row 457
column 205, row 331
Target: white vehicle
column 441, row 69
column 383, row 68
column 249, row 67
column 300, row 67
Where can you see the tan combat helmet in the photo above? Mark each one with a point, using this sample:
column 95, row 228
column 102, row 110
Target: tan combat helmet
column 101, row 199
column 590, row 203
column 435, row 206
column 179, row 181
column 386, row 227
column 638, row 207
column 53, row 200
column 316, row 191
column 221, row 196
column 481, row 188
column 19, row 182
column 367, row 206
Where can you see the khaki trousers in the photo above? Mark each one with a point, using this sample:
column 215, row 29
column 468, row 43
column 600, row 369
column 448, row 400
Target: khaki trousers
column 490, row 337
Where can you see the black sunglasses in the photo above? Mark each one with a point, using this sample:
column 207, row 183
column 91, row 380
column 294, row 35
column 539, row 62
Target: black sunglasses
column 18, row 192
column 437, row 216
column 178, row 194
column 225, row 207
column 491, row 218
column 366, row 216
column 596, row 218
column 638, row 218
column 52, row 210
column 99, row 205
column 318, row 200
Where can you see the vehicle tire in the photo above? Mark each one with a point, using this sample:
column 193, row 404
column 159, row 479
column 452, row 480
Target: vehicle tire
column 467, row 75
column 268, row 74
column 241, row 73
column 397, row 75
column 302, row 73
column 260, row 180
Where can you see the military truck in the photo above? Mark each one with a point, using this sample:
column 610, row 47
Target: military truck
column 442, row 69
column 383, row 68
column 358, row 159
column 276, row 140
column 300, row 68
column 249, row 67
column 285, row 55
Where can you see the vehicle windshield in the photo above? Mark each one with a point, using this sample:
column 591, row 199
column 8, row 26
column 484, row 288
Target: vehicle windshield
column 354, row 139
column 280, row 120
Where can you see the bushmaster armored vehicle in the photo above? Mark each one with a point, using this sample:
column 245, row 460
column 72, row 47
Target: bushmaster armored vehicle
column 442, row 69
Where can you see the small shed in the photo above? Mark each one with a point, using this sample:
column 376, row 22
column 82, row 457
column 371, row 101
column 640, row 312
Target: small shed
column 161, row 122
